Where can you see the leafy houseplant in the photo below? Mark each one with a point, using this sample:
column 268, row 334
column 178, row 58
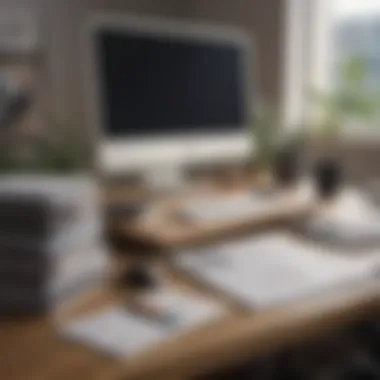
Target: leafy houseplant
column 273, row 153
column 62, row 153
column 264, row 136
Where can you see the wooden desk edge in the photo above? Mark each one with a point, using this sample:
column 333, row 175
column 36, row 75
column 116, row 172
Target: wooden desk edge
column 258, row 334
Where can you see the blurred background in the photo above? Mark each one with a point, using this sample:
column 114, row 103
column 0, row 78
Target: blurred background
column 300, row 49
column 311, row 86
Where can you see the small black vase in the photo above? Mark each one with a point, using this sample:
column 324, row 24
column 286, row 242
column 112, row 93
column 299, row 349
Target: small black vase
column 328, row 177
column 286, row 166
column 138, row 276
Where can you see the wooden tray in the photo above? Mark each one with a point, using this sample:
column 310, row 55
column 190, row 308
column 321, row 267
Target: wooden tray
column 166, row 226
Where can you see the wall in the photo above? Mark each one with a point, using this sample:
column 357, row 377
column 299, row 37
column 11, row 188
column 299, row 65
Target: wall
column 264, row 21
column 27, row 67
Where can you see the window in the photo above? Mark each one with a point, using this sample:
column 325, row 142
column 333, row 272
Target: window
column 320, row 36
column 356, row 32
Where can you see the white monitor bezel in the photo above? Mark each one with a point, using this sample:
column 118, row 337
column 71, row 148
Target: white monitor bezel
column 135, row 153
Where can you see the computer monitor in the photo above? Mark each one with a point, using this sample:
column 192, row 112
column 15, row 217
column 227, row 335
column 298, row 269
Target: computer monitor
column 164, row 92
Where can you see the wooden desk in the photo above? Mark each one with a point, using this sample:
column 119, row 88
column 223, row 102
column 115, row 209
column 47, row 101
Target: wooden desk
column 240, row 336
column 32, row 350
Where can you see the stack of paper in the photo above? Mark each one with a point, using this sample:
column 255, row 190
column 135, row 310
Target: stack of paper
column 271, row 269
column 51, row 244
column 119, row 332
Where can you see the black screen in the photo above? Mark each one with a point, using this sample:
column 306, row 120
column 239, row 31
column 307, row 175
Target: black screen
column 159, row 86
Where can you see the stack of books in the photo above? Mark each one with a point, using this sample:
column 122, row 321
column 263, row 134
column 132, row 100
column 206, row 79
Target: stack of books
column 51, row 243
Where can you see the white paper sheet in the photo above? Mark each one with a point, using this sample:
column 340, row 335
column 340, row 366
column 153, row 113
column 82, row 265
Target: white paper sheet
column 187, row 310
column 353, row 221
column 272, row 269
column 120, row 333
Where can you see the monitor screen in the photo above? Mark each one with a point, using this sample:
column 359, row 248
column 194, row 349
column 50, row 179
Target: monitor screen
column 160, row 85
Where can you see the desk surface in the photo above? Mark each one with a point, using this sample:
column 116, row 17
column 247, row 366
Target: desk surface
column 31, row 349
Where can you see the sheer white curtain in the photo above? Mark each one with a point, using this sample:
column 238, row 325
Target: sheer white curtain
column 308, row 25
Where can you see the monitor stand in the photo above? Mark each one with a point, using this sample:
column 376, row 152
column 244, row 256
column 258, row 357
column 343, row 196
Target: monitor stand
column 165, row 177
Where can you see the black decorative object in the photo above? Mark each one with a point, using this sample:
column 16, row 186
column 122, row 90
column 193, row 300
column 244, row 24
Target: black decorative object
column 286, row 166
column 328, row 177
column 138, row 276
column 125, row 210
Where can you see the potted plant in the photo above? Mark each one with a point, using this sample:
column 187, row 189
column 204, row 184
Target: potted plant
column 60, row 153
column 274, row 154
column 263, row 135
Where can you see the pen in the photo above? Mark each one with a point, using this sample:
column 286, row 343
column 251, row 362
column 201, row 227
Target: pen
column 152, row 313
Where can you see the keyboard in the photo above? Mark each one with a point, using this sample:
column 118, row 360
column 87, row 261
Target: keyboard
column 228, row 207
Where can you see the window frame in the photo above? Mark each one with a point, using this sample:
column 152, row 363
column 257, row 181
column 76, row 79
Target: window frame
column 305, row 57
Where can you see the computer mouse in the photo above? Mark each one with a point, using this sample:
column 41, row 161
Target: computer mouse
column 138, row 276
